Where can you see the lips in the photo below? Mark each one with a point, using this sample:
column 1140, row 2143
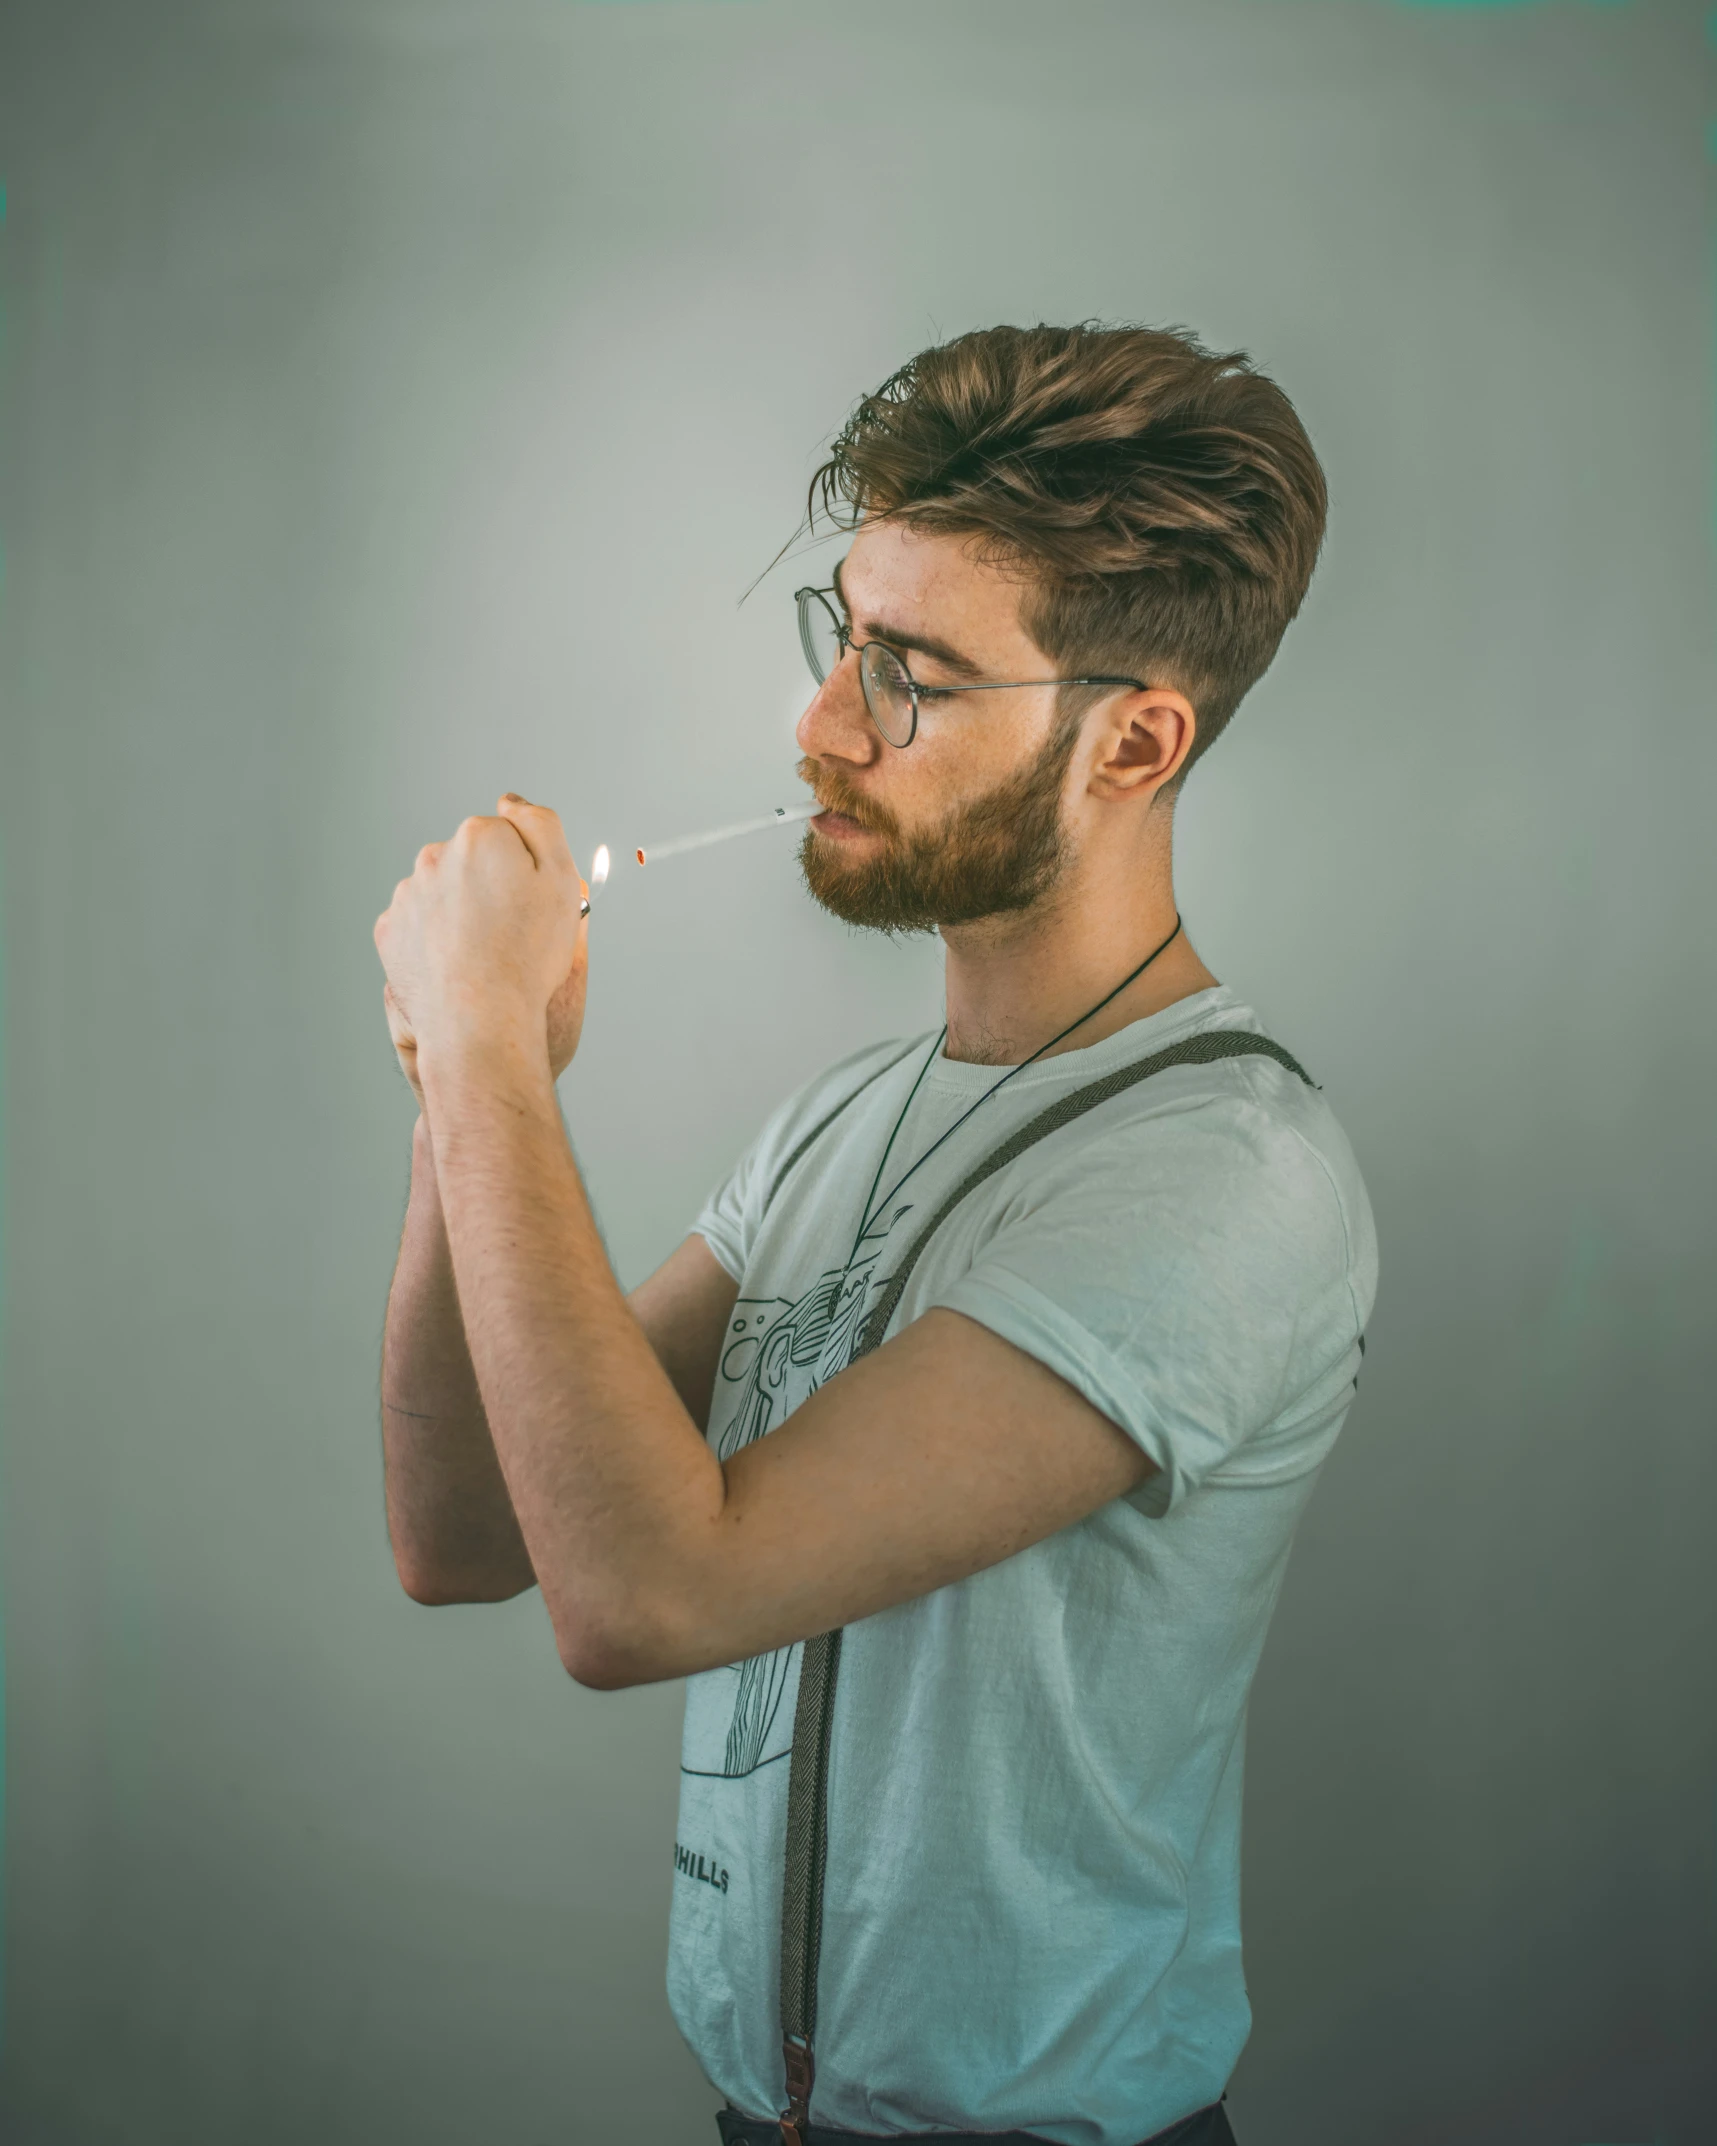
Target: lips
column 840, row 810
column 847, row 818
column 841, row 826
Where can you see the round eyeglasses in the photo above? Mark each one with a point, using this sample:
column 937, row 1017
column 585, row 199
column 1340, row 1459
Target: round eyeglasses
column 891, row 693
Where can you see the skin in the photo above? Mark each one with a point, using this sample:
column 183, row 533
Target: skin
column 542, row 1427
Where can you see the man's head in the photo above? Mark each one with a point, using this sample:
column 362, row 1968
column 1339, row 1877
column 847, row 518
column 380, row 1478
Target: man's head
column 1046, row 504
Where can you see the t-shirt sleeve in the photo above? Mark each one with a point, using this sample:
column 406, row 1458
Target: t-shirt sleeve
column 722, row 1220
column 1191, row 1277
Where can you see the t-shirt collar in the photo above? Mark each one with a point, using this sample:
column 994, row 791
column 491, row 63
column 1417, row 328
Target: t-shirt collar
column 1137, row 1040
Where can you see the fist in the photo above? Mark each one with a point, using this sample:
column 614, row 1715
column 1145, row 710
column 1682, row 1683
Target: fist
column 484, row 942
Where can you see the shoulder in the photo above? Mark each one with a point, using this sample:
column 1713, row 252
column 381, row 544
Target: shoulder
column 1206, row 1148
column 1238, row 1146
column 1193, row 1252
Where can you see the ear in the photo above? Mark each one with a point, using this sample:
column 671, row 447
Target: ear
column 1143, row 742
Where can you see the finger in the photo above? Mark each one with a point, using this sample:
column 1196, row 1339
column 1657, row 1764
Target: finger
column 481, row 827
column 384, row 922
column 516, row 811
column 538, row 827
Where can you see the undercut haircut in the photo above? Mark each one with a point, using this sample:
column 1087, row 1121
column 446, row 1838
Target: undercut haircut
column 1161, row 500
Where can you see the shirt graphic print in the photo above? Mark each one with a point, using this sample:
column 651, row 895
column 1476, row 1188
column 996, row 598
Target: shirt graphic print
column 778, row 1353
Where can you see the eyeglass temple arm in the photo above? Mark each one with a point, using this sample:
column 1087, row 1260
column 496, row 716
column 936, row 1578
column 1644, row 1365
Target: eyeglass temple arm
column 995, row 685
column 1013, row 685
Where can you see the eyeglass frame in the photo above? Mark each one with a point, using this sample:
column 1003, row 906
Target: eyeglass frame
column 915, row 691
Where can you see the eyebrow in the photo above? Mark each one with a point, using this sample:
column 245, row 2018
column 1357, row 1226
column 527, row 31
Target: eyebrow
column 898, row 637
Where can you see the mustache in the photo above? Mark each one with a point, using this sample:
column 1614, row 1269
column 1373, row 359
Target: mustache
column 835, row 793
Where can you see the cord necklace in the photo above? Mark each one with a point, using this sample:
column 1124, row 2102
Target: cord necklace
column 874, row 1207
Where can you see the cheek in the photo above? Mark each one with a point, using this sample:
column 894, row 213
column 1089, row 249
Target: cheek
column 917, row 788
column 949, row 766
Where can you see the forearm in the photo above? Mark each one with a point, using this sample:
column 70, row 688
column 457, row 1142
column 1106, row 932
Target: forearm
column 613, row 1486
column 451, row 1522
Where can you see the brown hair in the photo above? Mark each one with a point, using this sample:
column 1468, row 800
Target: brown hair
column 1162, row 498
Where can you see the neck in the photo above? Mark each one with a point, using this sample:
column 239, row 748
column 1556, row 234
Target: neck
column 1013, row 982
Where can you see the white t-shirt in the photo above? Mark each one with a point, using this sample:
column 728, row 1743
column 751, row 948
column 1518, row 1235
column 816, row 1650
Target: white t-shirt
column 1031, row 1901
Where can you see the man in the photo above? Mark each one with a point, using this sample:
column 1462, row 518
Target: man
column 1018, row 1347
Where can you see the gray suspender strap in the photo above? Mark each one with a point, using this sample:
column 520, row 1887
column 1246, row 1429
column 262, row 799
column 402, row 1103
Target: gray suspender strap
column 820, row 1657
column 1198, row 1050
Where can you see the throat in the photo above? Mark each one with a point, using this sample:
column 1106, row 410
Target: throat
column 1008, row 1029
column 974, row 1045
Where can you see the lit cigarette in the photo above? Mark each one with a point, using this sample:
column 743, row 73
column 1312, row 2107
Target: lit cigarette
column 780, row 817
column 598, row 873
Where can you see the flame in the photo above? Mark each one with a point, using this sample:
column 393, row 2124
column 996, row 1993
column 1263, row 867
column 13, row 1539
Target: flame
column 599, row 866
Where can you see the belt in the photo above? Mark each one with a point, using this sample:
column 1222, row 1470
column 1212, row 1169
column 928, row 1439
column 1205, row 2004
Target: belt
column 1205, row 2127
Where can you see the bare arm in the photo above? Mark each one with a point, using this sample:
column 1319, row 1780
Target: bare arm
column 451, row 1521
column 945, row 1451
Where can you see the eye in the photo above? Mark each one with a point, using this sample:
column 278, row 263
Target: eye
column 930, row 693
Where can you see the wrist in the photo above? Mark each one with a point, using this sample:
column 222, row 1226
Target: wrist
column 490, row 1062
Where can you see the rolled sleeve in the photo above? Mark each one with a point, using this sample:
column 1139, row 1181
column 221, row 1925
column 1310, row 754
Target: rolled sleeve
column 1186, row 1291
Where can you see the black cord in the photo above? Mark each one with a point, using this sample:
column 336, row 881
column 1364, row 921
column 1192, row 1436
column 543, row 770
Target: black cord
column 871, row 1212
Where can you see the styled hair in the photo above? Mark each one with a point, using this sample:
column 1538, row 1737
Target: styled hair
column 1161, row 500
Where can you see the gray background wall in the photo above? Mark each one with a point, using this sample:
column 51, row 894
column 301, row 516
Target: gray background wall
column 397, row 399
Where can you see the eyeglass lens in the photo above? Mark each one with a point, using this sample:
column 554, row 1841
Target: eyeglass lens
column 888, row 693
column 887, row 688
column 819, row 634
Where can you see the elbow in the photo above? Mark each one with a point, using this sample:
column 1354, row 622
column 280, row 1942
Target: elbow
column 597, row 1668
column 424, row 1588
column 438, row 1588
column 615, row 1653
column 602, row 1662
column 423, row 1577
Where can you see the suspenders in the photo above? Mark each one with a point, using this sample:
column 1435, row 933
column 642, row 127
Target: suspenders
column 820, row 1658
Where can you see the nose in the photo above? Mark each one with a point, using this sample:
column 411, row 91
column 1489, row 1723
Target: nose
column 837, row 724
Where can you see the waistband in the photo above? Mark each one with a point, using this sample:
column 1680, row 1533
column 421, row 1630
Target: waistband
column 1205, row 2127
